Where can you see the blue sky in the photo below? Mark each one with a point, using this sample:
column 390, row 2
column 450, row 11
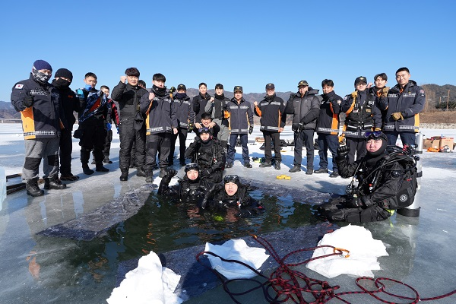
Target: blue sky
column 248, row 43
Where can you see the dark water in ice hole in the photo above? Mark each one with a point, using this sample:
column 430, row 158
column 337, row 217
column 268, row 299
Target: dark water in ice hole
column 162, row 226
column 86, row 271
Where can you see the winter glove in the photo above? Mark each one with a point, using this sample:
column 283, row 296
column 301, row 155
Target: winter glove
column 250, row 129
column 108, row 126
column 355, row 202
column 170, row 172
column 342, row 151
column 172, row 90
column 28, row 101
column 206, row 172
column 397, row 115
column 385, row 92
column 367, row 201
column 190, row 127
column 80, row 93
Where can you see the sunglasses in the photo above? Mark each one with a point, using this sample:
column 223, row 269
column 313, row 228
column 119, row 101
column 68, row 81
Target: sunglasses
column 204, row 130
column 374, row 134
column 191, row 166
column 231, row 179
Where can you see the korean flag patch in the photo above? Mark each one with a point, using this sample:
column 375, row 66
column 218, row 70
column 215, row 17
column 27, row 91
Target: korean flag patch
column 19, row 86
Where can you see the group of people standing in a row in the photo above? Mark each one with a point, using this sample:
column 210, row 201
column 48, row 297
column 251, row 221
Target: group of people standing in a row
column 149, row 123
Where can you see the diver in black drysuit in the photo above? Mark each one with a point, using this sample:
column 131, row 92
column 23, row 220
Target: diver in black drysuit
column 190, row 189
column 232, row 194
column 386, row 181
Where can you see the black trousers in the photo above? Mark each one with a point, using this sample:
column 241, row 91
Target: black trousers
column 93, row 134
column 129, row 136
column 66, row 148
column 304, row 137
column 182, row 134
column 357, row 146
column 275, row 136
column 160, row 142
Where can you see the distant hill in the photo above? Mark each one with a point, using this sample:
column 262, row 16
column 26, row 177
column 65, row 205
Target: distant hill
column 7, row 111
column 436, row 96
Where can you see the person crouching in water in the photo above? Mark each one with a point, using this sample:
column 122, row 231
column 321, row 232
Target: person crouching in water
column 386, row 181
column 209, row 154
column 231, row 195
column 190, row 189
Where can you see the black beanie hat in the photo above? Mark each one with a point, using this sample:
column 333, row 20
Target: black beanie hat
column 378, row 135
column 65, row 73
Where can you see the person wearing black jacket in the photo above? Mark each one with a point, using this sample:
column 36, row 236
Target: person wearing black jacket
column 199, row 102
column 208, row 154
column 328, row 126
column 111, row 118
column 132, row 128
column 190, row 189
column 271, row 109
column 405, row 102
column 362, row 115
column 217, row 108
column 69, row 104
column 380, row 90
column 38, row 102
column 386, row 180
column 241, row 125
column 161, row 123
column 92, row 128
column 305, row 107
column 185, row 118
column 233, row 197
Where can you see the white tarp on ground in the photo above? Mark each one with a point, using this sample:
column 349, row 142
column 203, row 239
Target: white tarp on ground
column 364, row 251
column 236, row 250
column 149, row 283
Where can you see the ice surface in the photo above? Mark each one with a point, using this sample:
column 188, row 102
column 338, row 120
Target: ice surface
column 36, row 268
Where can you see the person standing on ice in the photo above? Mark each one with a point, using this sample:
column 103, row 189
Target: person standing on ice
column 405, row 101
column 271, row 109
column 38, row 102
column 305, row 107
column 69, row 104
column 132, row 129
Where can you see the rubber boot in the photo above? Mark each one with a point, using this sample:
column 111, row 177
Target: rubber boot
column 53, row 183
column 277, row 165
column 124, row 174
column 100, row 168
column 140, row 172
column 32, row 188
column 149, row 176
column 86, row 169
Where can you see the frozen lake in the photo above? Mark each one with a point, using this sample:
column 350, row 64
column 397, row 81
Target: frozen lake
column 37, row 268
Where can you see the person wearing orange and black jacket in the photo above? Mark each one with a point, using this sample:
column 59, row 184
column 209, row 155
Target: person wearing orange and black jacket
column 131, row 130
column 271, row 109
column 305, row 107
column 380, row 90
column 405, row 101
column 362, row 115
column 328, row 126
column 38, row 102
column 69, row 104
column 161, row 123
column 200, row 101
column 241, row 125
